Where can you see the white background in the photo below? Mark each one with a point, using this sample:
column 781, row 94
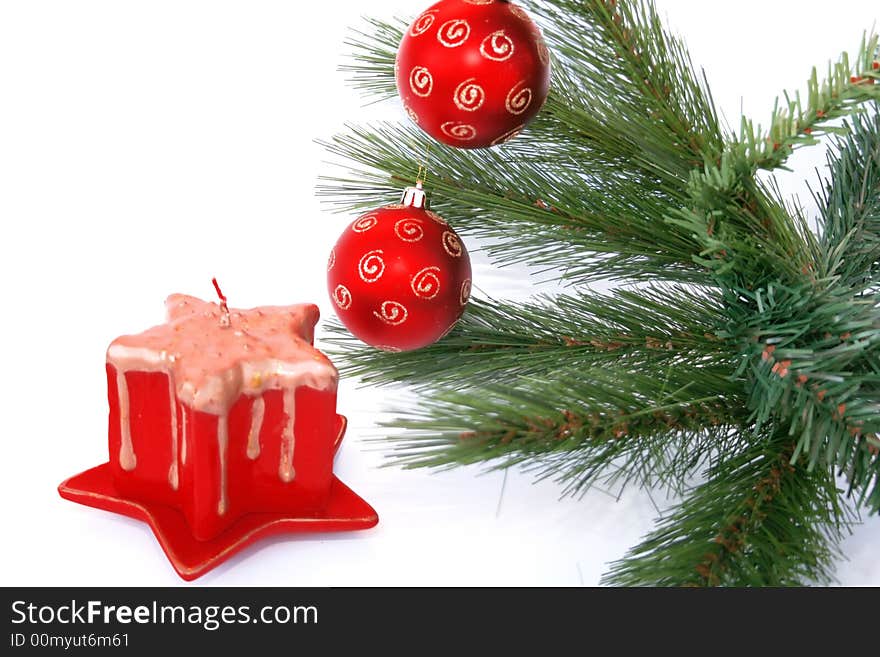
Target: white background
column 148, row 146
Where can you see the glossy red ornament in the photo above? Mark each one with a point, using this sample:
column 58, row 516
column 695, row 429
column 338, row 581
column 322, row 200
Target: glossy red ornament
column 473, row 73
column 399, row 277
column 222, row 430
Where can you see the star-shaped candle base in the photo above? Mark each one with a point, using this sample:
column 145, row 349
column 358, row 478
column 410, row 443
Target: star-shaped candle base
column 192, row 558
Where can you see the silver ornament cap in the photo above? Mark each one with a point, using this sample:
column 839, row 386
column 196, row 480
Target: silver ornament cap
column 415, row 197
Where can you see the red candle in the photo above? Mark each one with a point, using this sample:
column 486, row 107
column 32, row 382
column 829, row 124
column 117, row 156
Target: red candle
column 220, row 413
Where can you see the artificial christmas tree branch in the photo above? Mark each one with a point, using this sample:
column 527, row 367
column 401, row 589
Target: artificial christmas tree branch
column 555, row 215
column 752, row 357
column 759, row 521
column 497, row 338
column 638, row 425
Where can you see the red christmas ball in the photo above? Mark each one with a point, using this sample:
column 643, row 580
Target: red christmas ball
column 399, row 277
column 473, row 73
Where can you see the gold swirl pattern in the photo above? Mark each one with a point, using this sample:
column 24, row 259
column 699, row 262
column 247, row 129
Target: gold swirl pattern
column 518, row 99
column 392, row 313
column 426, row 283
column 510, row 134
column 332, row 261
column 458, row 130
column 371, row 266
column 452, row 245
column 465, row 292
column 411, row 114
column 342, row 297
column 409, row 230
column 454, row 33
column 519, row 12
column 423, row 22
column 436, row 217
column 421, row 81
column 363, row 224
column 497, row 46
column 543, row 52
column 469, row 96
column 448, row 329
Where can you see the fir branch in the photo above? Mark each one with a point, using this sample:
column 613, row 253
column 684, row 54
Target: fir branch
column 800, row 122
column 758, row 521
column 606, row 423
column 549, row 219
column 657, row 327
column 740, row 230
column 757, row 238
column 850, row 208
column 811, row 349
column 629, row 77
column 611, row 213
column 373, row 51
column 810, row 356
column 767, row 372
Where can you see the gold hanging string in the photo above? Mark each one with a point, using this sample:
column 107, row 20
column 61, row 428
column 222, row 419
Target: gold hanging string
column 422, row 175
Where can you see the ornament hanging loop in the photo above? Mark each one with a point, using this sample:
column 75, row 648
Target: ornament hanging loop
column 422, row 175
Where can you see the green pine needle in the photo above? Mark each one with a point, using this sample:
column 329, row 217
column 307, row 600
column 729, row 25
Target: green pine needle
column 741, row 346
column 759, row 521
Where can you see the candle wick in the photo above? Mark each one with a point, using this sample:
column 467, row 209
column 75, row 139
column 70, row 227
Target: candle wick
column 224, row 309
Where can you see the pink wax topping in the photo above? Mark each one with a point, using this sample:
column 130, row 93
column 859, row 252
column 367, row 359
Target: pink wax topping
column 210, row 363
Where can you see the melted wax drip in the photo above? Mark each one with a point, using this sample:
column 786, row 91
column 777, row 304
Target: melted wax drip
column 294, row 363
column 257, row 412
column 222, row 448
column 285, row 467
column 173, row 470
column 183, row 434
column 127, row 457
